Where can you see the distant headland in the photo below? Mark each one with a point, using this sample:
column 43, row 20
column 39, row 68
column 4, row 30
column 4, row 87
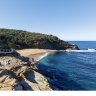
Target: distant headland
column 19, row 39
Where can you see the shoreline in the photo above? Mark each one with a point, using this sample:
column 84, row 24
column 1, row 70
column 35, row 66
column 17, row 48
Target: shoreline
column 37, row 54
column 41, row 57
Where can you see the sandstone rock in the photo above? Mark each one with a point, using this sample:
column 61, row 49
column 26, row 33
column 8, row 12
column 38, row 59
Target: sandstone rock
column 17, row 74
column 35, row 81
column 8, row 80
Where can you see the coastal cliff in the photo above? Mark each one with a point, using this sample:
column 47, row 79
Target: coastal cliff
column 17, row 73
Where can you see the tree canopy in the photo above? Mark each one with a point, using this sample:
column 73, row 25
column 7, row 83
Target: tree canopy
column 20, row 39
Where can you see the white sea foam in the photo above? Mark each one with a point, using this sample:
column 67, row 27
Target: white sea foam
column 66, row 51
column 42, row 56
column 80, row 50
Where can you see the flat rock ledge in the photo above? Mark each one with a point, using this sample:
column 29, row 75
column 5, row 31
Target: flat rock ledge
column 17, row 73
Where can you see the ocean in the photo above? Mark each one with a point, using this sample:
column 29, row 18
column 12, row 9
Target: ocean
column 79, row 67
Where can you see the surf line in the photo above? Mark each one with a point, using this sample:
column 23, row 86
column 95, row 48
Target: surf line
column 80, row 50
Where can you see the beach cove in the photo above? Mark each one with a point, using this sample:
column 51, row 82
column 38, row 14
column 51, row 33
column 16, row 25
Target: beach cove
column 67, row 70
column 72, row 70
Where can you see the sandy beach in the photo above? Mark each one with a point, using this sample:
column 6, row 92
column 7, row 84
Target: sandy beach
column 33, row 53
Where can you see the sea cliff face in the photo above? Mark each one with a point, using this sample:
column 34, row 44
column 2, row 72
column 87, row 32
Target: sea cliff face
column 16, row 73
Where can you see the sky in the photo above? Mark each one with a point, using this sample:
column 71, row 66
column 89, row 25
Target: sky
column 68, row 19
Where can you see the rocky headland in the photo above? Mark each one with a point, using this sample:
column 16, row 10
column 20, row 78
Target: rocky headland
column 17, row 73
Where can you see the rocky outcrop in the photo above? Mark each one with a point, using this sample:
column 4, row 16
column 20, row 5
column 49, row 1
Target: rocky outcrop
column 17, row 73
column 8, row 80
column 73, row 47
column 33, row 80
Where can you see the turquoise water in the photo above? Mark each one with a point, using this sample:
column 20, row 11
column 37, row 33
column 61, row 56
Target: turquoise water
column 79, row 67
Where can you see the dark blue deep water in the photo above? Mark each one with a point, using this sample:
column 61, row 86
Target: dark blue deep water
column 79, row 67
column 85, row 44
